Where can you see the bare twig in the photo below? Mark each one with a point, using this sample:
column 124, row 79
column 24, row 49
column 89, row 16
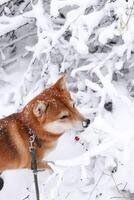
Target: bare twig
column 119, row 198
column 68, row 194
column 12, row 60
column 18, row 39
column 124, row 187
column 26, row 197
column 2, row 2
column 132, row 8
column 101, row 176
column 24, row 5
column 115, row 183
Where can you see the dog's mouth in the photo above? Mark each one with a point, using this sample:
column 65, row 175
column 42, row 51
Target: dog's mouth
column 60, row 127
column 81, row 131
column 80, row 126
column 77, row 127
column 57, row 127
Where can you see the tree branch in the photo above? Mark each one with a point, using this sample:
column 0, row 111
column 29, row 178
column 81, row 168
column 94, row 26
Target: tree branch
column 8, row 24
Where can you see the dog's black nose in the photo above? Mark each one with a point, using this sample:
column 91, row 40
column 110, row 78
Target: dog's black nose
column 85, row 123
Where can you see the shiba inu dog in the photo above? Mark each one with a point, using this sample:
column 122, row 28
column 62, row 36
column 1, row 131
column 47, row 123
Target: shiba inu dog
column 47, row 116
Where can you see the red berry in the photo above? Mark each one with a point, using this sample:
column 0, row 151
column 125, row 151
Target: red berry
column 77, row 138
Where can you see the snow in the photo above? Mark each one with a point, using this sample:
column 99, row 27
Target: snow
column 91, row 42
column 8, row 24
column 3, row 1
column 106, row 34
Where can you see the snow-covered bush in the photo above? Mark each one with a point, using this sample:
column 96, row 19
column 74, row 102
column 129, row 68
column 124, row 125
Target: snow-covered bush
column 92, row 42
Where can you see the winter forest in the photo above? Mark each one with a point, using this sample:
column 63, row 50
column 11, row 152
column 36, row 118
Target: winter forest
column 91, row 41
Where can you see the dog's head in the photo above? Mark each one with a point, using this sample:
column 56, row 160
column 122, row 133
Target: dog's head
column 54, row 110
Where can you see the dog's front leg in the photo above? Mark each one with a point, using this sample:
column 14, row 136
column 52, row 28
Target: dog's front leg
column 43, row 165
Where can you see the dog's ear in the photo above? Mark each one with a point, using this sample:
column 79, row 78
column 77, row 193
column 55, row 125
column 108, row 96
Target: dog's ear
column 61, row 83
column 39, row 108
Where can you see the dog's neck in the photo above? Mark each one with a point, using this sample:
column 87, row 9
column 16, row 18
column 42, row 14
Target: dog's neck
column 47, row 137
column 32, row 125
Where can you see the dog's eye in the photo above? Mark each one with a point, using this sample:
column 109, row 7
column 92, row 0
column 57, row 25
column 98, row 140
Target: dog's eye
column 73, row 105
column 64, row 117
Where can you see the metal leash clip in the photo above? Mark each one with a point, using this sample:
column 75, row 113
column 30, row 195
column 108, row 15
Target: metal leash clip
column 31, row 142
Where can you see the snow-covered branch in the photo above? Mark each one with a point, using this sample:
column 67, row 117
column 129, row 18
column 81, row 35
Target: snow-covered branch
column 4, row 1
column 8, row 24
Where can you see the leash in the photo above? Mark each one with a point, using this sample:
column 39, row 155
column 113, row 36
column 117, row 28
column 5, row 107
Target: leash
column 32, row 150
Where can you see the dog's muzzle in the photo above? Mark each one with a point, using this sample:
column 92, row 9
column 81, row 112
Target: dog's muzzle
column 85, row 123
